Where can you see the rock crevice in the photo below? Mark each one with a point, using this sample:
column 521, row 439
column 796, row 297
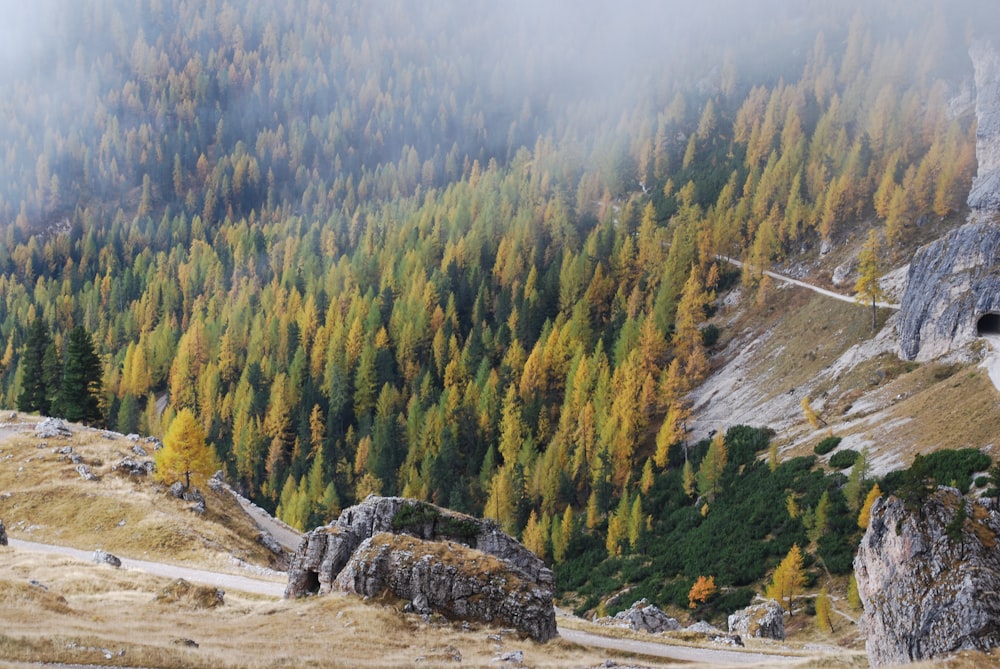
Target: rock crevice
column 355, row 554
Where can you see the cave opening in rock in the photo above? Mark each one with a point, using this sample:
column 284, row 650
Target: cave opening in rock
column 988, row 324
column 312, row 582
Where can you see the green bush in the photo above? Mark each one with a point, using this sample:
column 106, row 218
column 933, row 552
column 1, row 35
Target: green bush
column 844, row 459
column 982, row 481
column 709, row 335
column 827, row 445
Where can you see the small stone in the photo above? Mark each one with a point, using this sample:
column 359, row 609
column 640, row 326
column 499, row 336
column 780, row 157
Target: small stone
column 3, row 534
column 190, row 643
column 85, row 473
column 515, row 656
column 139, row 450
column 177, row 490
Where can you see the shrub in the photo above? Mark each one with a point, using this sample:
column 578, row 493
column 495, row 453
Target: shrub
column 709, row 335
column 844, row 459
column 827, row 445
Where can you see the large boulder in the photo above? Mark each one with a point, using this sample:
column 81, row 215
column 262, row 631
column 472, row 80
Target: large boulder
column 929, row 588
column 760, row 621
column 451, row 579
column 50, row 428
column 325, row 551
column 642, row 617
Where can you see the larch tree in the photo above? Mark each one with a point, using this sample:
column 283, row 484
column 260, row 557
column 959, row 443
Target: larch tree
column 823, row 610
column 710, row 472
column 867, row 287
column 702, row 590
column 864, row 516
column 787, row 579
column 185, row 454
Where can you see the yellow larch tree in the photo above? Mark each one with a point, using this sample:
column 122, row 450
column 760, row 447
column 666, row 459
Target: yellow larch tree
column 787, row 579
column 185, row 453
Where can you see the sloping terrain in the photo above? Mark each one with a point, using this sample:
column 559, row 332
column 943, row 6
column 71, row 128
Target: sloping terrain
column 798, row 344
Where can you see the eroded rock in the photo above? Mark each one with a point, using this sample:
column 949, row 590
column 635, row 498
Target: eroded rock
column 925, row 593
column 325, row 551
column 761, row 621
column 133, row 467
column 454, row 580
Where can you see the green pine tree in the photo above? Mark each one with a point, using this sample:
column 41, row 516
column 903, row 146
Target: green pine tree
column 35, row 393
column 79, row 397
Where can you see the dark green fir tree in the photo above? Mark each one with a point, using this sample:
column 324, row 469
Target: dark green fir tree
column 79, row 398
column 35, row 392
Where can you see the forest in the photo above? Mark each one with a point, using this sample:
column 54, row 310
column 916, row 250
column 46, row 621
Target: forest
column 372, row 251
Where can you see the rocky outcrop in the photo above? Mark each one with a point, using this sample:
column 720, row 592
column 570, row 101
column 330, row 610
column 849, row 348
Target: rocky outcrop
column 953, row 282
column 325, row 551
column 451, row 579
column 930, row 586
column 760, row 621
column 642, row 617
column 985, row 193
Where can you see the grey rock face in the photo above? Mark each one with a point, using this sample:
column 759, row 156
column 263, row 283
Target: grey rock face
column 761, row 621
column 454, row 580
column 3, row 534
column 953, row 282
column 926, row 594
column 325, row 551
column 103, row 557
column 643, row 617
column 985, row 193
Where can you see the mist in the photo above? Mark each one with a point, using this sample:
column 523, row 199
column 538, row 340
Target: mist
column 451, row 81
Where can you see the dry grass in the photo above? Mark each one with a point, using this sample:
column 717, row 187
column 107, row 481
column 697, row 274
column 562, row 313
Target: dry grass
column 90, row 611
column 44, row 499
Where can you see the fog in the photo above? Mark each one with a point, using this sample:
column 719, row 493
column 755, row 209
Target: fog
column 503, row 73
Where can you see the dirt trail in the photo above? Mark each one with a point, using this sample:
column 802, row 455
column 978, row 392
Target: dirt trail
column 274, row 588
column 259, row 586
column 992, row 361
column 816, row 289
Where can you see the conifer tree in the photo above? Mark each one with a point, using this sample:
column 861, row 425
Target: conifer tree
column 185, row 453
column 35, row 393
column 823, row 610
column 710, row 472
column 79, row 396
column 787, row 579
column 867, row 286
column 702, row 590
column 864, row 516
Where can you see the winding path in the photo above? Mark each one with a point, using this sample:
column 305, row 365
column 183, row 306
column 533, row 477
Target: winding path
column 274, row 588
column 815, row 289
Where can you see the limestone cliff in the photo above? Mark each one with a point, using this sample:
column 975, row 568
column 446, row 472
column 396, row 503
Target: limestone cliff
column 953, row 283
column 333, row 556
column 985, row 193
column 929, row 588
